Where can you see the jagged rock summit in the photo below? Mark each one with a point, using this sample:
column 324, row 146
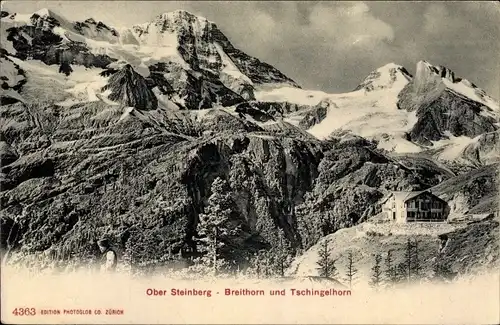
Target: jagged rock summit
column 385, row 77
column 440, row 77
column 130, row 88
column 176, row 48
column 446, row 106
column 198, row 43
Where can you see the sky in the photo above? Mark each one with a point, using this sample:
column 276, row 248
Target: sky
column 331, row 46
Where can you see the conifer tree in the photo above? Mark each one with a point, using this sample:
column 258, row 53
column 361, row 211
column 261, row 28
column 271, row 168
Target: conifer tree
column 255, row 265
column 282, row 254
column 376, row 277
column 351, row 269
column 275, row 260
column 267, row 264
column 416, row 267
column 408, row 259
column 215, row 228
column 260, row 264
column 409, row 269
column 390, row 272
column 325, row 262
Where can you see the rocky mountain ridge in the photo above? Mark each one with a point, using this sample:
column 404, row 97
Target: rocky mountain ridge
column 123, row 132
column 432, row 113
column 180, row 48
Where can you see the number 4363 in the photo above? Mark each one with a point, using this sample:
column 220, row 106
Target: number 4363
column 24, row 311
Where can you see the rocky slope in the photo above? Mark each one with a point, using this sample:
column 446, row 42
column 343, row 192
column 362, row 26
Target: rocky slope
column 473, row 193
column 123, row 132
column 441, row 109
column 485, row 150
column 463, row 248
column 177, row 48
column 12, row 77
column 469, row 243
column 432, row 113
column 353, row 178
column 91, row 169
column 130, row 89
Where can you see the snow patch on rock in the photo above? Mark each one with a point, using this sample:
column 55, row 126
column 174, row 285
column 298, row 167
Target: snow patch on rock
column 366, row 113
column 453, row 147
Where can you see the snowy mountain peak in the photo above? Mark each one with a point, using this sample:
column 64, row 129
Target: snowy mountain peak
column 181, row 15
column 48, row 19
column 425, row 74
column 96, row 30
column 441, row 71
column 428, row 73
column 390, row 75
column 180, row 24
column 177, row 48
column 176, row 21
column 391, row 65
column 47, row 14
column 44, row 12
column 42, row 18
column 395, row 69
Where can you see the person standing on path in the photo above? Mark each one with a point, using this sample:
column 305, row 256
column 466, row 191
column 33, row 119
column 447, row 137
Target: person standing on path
column 109, row 257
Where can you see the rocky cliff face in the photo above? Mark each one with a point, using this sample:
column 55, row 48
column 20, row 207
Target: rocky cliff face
column 130, row 89
column 91, row 169
column 186, row 51
column 36, row 38
column 96, row 30
column 128, row 144
column 441, row 110
column 161, row 182
column 12, row 79
column 486, row 150
column 353, row 178
column 208, row 52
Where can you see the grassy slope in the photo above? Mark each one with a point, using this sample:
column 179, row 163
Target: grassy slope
column 472, row 193
column 467, row 246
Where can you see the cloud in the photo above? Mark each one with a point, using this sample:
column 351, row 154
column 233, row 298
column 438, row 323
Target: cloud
column 260, row 27
column 465, row 38
column 445, row 22
column 437, row 19
column 336, row 27
column 321, row 45
column 345, row 25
